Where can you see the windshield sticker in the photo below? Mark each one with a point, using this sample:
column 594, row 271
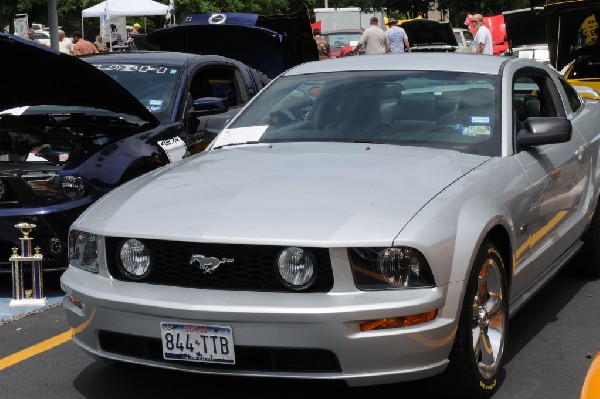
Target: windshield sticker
column 239, row 135
column 480, row 119
column 135, row 68
column 155, row 105
column 477, row 131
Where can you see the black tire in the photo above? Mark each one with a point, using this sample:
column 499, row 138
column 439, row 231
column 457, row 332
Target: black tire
column 483, row 323
column 589, row 260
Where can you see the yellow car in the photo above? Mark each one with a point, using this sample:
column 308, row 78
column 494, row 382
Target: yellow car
column 591, row 384
column 584, row 71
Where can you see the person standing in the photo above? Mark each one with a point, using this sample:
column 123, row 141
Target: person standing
column 31, row 36
column 65, row 45
column 397, row 37
column 374, row 39
column 82, row 46
column 482, row 42
column 322, row 45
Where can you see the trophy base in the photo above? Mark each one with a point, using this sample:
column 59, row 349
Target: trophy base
column 28, row 302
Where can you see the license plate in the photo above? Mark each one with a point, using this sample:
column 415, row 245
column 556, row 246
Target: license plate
column 197, row 343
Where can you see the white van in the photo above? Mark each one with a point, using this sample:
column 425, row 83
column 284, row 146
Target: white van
column 464, row 38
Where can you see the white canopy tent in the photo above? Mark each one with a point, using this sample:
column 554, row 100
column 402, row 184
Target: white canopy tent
column 124, row 8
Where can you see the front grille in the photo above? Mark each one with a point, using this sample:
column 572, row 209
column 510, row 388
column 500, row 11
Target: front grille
column 246, row 357
column 253, row 268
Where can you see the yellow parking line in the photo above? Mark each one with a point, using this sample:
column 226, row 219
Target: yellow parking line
column 43, row 346
column 35, row 349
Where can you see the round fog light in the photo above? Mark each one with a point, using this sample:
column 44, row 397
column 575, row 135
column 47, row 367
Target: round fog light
column 296, row 268
column 135, row 259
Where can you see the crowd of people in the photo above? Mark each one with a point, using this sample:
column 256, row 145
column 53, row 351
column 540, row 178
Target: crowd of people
column 77, row 45
column 394, row 40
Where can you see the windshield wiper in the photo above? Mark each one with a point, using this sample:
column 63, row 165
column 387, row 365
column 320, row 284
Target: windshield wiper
column 232, row 144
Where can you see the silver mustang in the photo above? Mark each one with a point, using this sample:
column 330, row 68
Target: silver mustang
column 371, row 219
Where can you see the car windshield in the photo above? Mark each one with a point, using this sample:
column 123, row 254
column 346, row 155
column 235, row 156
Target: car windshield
column 588, row 67
column 153, row 85
column 449, row 110
column 463, row 38
column 341, row 39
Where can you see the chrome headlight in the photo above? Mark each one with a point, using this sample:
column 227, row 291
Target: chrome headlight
column 83, row 250
column 296, row 268
column 134, row 259
column 389, row 268
column 42, row 184
column 72, row 186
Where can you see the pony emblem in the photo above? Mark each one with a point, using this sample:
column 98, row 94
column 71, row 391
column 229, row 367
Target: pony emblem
column 208, row 265
column 217, row 19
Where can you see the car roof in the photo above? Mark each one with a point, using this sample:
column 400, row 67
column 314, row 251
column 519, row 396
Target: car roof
column 329, row 32
column 454, row 62
column 168, row 58
column 40, row 75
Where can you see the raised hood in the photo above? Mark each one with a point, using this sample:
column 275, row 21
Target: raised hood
column 565, row 21
column 426, row 32
column 301, row 193
column 271, row 44
column 38, row 75
column 525, row 27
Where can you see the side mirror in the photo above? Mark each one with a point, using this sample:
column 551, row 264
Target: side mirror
column 210, row 105
column 544, row 130
column 204, row 106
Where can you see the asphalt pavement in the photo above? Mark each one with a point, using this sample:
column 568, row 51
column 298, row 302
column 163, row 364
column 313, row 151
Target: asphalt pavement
column 51, row 292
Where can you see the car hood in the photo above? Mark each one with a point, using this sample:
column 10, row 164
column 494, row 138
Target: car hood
column 307, row 193
column 525, row 27
column 426, row 32
column 42, row 76
column 563, row 22
column 270, row 44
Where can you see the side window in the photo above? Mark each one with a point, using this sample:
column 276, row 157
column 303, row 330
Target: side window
column 572, row 96
column 526, row 102
column 534, row 94
column 216, row 82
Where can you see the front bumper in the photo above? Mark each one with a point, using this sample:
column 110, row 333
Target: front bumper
column 317, row 331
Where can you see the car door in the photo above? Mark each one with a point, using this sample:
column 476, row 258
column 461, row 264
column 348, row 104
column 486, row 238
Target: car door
column 558, row 174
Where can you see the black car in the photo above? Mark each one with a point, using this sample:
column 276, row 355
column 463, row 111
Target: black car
column 269, row 43
column 167, row 83
column 69, row 133
column 526, row 34
column 428, row 35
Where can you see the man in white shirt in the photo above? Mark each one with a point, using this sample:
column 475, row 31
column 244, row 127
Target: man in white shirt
column 482, row 43
column 65, row 45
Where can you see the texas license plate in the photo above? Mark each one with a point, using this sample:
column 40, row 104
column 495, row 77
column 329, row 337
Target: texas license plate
column 197, row 343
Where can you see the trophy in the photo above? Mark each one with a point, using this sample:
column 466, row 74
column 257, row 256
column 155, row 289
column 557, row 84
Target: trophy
column 21, row 295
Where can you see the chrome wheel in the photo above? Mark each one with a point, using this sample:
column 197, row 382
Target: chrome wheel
column 488, row 321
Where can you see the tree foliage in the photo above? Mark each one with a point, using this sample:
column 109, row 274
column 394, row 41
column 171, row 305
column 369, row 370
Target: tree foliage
column 69, row 11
